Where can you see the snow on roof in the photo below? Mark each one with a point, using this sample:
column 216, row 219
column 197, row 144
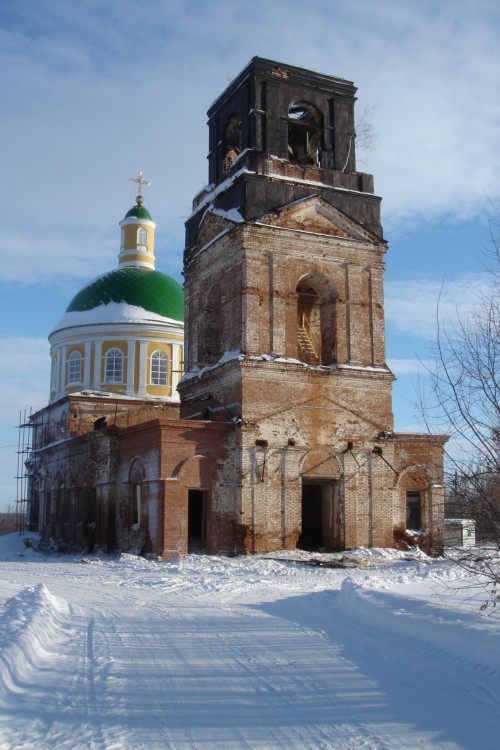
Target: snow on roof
column 209, row 243
column 113, row 312
column 226, row 357
column 232, row 214
column 214, row 191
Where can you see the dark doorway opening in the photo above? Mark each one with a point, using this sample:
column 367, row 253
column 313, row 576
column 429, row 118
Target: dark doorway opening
column 311, row 537
column 413, row 511
column 321, row 523
column 196, row 521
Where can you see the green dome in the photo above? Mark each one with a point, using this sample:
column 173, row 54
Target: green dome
column 137, row 286
column 139, row 212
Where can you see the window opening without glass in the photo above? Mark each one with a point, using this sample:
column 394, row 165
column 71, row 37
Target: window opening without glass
column 304, row 134
column 136, row 504
column 413, row 511
column 231, row 142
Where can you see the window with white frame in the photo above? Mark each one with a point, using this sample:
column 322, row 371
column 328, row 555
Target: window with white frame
column 142, row 237
column 113, row 366
column 159, row 368
column 74, row 368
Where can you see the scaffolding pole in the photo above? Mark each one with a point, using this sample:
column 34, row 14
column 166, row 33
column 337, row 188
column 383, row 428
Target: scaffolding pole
column 26, row 450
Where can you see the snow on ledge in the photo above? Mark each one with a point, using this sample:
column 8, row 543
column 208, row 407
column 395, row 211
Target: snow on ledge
column 236, row 354
column 364, row 368
column 213, row 192
column 231, row 215
column 209, row 244
column 199, row 371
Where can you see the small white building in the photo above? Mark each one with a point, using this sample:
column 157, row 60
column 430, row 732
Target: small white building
column 459, row 532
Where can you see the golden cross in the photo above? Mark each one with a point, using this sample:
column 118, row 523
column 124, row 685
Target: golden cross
column 140, row 182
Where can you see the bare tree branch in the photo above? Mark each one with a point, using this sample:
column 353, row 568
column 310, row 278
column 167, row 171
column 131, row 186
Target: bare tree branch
column 461, row 396
column 363, row 134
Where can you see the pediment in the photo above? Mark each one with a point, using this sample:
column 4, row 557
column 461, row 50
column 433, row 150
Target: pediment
column 211, row 226
column 314, row 214
column 319, row 402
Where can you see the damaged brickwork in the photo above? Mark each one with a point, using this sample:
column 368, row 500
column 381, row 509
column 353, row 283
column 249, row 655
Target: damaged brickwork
column 285, row 436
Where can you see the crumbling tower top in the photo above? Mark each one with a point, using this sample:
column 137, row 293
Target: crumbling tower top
column 279, row 133
column 290, row 113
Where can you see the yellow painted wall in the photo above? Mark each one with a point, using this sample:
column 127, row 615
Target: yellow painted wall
column 130, row 233
column 135, row 257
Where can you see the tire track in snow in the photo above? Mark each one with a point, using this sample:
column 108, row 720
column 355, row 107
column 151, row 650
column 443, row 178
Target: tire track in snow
column 93, row 718
column 410, row 644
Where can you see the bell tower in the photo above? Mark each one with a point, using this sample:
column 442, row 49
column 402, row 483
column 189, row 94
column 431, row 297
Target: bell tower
column 283, row 268
column 272, row 132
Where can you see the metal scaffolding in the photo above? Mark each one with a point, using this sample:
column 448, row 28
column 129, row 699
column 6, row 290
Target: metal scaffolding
column 27, row 471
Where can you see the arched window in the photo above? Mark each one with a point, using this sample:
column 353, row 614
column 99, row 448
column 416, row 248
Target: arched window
column 138, row 496
column 113, row 366
column 159, row 368
column 142, row 237
column 136, row 504
column 231, row 142
column 316, row 320
column 74, row 368
column 305, row 127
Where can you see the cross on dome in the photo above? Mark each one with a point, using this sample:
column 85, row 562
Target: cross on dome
column 140, row 182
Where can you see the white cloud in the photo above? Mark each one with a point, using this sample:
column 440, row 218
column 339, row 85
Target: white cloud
column 93, row 96
column 412, row 306
column 96, row 91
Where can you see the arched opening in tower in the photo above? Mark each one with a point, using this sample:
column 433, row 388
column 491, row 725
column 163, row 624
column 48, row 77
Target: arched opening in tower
column 305, row 126
column 231, row 142
column 316, row 320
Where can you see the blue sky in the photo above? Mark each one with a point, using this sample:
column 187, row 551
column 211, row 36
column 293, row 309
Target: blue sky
column 94, row 90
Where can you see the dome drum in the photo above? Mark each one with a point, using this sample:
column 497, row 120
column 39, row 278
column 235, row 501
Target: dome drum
column 123, row 333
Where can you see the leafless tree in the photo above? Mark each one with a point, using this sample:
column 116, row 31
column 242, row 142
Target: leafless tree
column 363, row 135
column 8, row 520
column 462, row 397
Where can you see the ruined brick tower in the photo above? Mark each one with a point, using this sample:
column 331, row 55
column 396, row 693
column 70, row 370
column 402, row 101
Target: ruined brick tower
column 285, row 328
column 284, row 434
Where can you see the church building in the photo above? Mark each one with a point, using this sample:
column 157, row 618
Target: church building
column 270, row 426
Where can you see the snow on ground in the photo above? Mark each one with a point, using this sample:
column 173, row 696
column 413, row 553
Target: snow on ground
column 115, row 653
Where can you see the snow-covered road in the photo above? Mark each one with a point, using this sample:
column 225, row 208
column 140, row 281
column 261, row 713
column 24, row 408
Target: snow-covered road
column 124, row 653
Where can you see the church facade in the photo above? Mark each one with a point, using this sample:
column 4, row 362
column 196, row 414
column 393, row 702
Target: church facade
column 281, row 435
